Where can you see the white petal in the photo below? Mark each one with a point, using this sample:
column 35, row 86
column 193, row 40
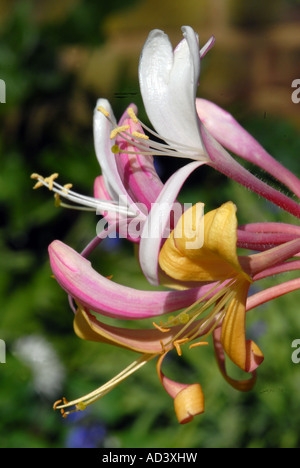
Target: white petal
column 168, row 82
column 157, row 222
column 107, row 161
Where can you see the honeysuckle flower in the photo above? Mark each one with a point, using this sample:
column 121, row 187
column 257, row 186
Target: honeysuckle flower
column 209, row 281
column 216, row 307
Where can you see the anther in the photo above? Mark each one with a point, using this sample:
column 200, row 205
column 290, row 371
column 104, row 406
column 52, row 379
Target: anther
column 56, row 404
column 118, row 130
column 64, row 415
column 140, row 135
column 200, row 343
column 177, row 344
column 67, row 187
column 34, row 175
column 49, row 180
column 104, row 111
column 132, row 115
column 162, row 329
column 38, row 185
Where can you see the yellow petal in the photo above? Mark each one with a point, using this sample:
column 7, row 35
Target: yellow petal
column 216, row 259
column 241, row 385
column 245, row 354
column 188, row 403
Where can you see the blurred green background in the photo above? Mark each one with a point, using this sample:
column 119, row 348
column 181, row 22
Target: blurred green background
column 56, row 58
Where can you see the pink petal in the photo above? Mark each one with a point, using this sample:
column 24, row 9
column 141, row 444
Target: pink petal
column 229, row 133
column 95, row 292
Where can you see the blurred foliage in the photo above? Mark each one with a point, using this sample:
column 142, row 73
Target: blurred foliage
column 47, row 127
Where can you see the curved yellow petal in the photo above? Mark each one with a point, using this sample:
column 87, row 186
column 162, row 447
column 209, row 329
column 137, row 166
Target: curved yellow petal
column 203, row 248
column 188, row 403
column 241, row 385
column 188, row 398
column 244, row 353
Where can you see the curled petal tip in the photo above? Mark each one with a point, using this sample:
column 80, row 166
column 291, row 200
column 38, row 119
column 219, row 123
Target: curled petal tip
column 188, row 403
column 60, row 255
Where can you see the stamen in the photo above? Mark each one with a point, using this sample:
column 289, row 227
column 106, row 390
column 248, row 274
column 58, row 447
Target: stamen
column 118, row 130
column 104, row 111
column 177, row 344
column 38, row 185
column 55, row 405
column 140, row 135
column 50, row 180
column 83, row 402
column 132, row 115
column 162, row 329
column 67, row 187
column 86, row 203
column 200, row 343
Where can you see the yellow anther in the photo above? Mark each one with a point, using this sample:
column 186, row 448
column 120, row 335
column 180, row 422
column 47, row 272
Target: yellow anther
column 67, row 187
column 118, row 130
column 104, row 111
column 64, row 415
column 200, row 343
column 162, row 329
column 34, row 175
column 177, row 344
column 38, row 185
column 115, row 149
column 56, row 404
column 140, row 135
column 49, row 180
column 132, row 115
column 80, row 406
